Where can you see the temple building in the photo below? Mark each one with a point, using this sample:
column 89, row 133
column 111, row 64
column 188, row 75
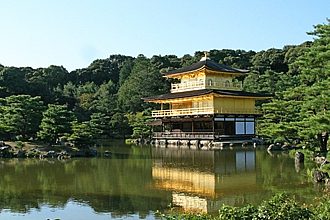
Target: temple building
column 206, row 104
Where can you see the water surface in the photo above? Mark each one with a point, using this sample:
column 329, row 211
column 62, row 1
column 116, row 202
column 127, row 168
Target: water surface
column 137, row 181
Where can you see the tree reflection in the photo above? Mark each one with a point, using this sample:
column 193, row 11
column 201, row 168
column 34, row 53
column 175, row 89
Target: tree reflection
column 108, row 185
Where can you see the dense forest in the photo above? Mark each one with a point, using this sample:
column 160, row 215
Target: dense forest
column 104, row 99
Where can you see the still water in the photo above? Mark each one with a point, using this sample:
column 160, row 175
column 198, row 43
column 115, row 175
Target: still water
column 137, row 181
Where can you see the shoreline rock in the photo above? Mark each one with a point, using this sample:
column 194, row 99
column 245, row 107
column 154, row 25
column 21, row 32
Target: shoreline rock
column 280, row 147
column 320, row 177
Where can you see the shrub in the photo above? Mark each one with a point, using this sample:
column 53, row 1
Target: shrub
column 235, row 213
column 19, row 144
column 282, row 207
column 322, row 209
column 325, row 168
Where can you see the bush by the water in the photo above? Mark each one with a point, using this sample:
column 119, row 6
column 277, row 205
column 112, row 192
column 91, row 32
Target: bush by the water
column 279, row 207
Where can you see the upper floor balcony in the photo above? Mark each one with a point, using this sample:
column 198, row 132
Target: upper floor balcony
column 201, row 111
column 196, row 85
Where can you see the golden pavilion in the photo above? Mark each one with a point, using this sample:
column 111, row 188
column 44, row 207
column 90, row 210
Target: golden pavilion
column 206, row 104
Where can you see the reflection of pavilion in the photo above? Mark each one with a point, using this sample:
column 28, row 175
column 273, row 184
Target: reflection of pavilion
column 203, row 180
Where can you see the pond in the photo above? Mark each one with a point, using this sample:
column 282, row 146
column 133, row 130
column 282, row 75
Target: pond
column 136, row 181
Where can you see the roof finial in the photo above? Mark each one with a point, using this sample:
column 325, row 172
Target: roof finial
column 205, row 56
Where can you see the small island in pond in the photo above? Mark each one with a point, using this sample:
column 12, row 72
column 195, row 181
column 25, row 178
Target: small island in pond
column 41, row 151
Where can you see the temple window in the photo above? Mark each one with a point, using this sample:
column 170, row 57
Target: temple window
column 210, row 83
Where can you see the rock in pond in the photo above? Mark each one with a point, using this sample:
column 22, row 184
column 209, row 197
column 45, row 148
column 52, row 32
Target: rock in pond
column 320, row 176
column 299, row 157
column 320, row 160
column 274, row 147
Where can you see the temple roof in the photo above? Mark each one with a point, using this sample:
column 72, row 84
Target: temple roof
column 208, row 64
column 193, row 93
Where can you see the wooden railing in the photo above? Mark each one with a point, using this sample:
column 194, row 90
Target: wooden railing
column 194, row 85
column 181, row 135
column 187, row 86
column 184, row 135
column 200, row 111
column 182, row 111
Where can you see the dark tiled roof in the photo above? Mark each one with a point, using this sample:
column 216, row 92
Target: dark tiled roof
column 205, row 92
column 209, row 64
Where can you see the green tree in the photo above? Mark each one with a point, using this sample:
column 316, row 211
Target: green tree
column 67, row 95
column 125, row 71
column 139, row 124
column 21, row 115
column 187, row 60
column 303, row 111
column 44, row 81
column 314, row 64
column 83, row 134
column 105, row 99
column 281, row 115
column 300, row 112
column 85, row 95
column 292, row 54
column 56, row 122
column 100, row 123
column 315, row 122
column 12, row 79
column 144, row 81
column 271, row 59
column 235, row 58
column 119, row 125
column 100, row 71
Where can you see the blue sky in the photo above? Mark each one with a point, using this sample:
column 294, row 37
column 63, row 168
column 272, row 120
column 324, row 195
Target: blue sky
column 73, row 33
